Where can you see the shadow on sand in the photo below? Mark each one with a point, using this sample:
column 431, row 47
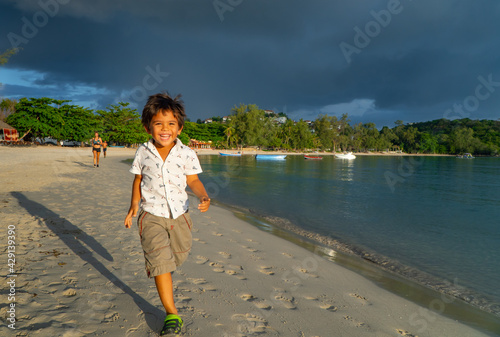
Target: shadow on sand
column 74, row 237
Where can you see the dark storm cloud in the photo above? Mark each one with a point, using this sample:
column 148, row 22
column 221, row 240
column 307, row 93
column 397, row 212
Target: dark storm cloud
column 413, row 64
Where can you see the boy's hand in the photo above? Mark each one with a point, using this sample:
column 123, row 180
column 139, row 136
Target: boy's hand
column 204, row 204
column 132, row 213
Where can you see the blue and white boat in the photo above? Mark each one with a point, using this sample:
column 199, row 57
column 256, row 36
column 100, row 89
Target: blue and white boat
column 230, row 154
column 270, row 156
column 466, row 156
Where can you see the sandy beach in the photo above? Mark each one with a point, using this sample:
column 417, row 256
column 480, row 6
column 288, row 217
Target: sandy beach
column 79, row 272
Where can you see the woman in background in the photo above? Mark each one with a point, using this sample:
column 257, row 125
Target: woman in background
column 96, row 148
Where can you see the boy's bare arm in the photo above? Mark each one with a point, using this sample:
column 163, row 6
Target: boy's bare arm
column 134, row 202
column 198, row 189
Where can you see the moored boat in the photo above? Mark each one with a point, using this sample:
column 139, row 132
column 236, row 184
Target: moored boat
column 230, row 154
column 270, row 156
column 313, row 157
column 345, row 155
column 466, row 156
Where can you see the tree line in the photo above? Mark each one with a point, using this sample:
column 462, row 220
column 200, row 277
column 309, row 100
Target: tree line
column 248, row 125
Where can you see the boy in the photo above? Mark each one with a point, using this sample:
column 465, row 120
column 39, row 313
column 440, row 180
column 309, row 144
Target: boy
column 163, row 167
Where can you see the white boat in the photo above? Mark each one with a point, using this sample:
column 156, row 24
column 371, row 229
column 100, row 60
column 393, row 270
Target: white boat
column 345, row 155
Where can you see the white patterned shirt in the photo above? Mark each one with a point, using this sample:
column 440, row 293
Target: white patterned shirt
column 163, row 185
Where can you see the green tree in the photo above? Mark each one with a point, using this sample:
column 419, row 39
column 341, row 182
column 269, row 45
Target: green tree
column 7, row 107
column 370, row 137
column 408, row 138
column 428, row 143
column 249, row 123
column 326, row 129
column 302, row 136
column 79, row 123
column 462, row 140
column 121, row 124
column 286, row 134
column 230, row 136
column 38, row 118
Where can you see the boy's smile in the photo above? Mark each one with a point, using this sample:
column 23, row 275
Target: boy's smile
column 164, row 128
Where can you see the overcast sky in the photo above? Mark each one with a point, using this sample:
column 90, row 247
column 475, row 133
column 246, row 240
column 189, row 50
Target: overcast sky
column 377, row 61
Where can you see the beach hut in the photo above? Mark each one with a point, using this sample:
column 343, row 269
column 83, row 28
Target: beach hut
column 8, row 133
column 197, row 144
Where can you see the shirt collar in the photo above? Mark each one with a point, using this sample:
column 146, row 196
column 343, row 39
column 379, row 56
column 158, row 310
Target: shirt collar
column 152, row 148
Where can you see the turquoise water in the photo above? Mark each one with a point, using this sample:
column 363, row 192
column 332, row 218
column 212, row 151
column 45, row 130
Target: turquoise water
column 438, row 215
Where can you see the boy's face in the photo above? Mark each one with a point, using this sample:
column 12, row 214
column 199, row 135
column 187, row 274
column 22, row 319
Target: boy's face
column 164, row 128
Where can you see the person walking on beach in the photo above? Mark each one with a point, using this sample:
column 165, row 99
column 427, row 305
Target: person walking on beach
column 96, row 148
column 163, row 168
column 104, row 147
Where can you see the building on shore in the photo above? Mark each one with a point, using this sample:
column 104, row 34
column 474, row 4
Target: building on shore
column 8, row 133
column 197, row 144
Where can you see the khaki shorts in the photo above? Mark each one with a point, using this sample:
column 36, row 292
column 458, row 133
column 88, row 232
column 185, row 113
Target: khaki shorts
column 166, row 242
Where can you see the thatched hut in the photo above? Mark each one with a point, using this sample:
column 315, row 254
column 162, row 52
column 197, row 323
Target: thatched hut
column 8, row 133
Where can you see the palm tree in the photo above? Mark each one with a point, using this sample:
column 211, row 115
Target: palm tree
column 231, row 135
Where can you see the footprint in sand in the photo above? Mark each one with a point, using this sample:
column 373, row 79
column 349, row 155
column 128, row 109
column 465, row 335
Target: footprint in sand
column 328, row 307
column 250, row 249
column 259, row 304
column 287, row 255
column 183, row 299
column 199, row 240
column 217, row 267
column 197, row 280
column 225, row 255
column 69, row 292
column 250, row 324
column 359, row 297
column 112, row 317
column 217, row 234
column 357, row 323
column 311, row 298
column 201, row 259
column 248, row 297
column 405, row 333
column 286, row 301
column 306, row 272
column 266, row 270
column 69, row 279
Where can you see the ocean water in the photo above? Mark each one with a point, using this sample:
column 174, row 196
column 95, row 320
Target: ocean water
column 437, row 216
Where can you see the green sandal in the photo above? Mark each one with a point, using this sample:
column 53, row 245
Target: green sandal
column 173, row 324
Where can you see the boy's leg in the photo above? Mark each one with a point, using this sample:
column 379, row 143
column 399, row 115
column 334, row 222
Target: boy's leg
column 166, row 291
column 173, row 323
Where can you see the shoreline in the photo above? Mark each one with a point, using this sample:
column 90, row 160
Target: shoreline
column 237, row 281
column 426, row 289
column 251, row 151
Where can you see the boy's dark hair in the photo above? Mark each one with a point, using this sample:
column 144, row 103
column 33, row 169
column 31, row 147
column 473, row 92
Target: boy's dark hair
column 163, row 102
